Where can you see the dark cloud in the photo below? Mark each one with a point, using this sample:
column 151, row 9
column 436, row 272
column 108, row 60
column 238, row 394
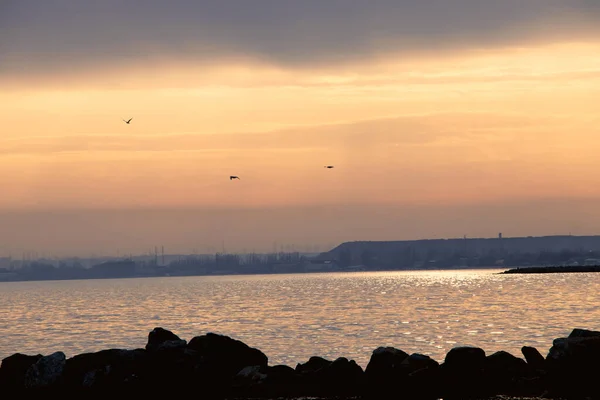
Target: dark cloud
column 66, row 35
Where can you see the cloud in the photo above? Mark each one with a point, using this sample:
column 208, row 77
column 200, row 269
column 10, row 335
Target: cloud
column 48, row 36
column 437, row 158
column 413, row 130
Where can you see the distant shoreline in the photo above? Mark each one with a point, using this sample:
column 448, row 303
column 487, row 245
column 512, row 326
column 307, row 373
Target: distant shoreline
column 554, row 269
column 14, row 278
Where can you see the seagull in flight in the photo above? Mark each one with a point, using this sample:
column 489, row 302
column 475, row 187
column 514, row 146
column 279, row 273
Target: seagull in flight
column 128, row 121
column 328, row 166
column 232, row 177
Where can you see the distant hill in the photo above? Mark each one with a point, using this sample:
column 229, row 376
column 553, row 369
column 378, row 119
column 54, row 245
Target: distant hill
column 464, row 252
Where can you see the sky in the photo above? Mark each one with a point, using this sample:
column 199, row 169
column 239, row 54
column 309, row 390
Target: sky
column 443, row 118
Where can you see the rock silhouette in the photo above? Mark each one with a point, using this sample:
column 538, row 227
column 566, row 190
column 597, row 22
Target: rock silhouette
column 217, row 367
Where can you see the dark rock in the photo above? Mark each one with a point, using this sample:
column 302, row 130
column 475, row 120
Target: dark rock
column 311, row 375
column 172, row 344
column 533, row 357
column 138, row 371
column 573, row 365
column 223, row 356
column 343, row 374
column 385, row 373
column 46, row 371
column 419, row 377
column 160, row 337
column 424, row 384
column 321, row 377
column 249, row 376
column 279, row 381
column 462, row 373
column 583, row 333
column 505, row 373
column 281, row 374
column 105, row 369
column 417, row 361
column 502, row 362
column 384, row 364
column 313, row 364
column 219, row 367
column 574, row 351
column 465, row 359
column 178, row 367
column 283, row 381
column 13, row 369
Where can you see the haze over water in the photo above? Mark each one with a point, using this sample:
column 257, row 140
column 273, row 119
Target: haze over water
column 293, row 317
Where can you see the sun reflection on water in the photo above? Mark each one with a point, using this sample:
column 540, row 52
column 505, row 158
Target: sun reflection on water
column 293, row 317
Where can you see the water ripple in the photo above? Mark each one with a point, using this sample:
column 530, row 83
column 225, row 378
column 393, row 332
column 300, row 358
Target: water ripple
column 293, row 317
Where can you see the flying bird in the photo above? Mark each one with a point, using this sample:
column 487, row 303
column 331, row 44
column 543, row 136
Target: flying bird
column 328, row 166
column 128, row 121
column 232, row 177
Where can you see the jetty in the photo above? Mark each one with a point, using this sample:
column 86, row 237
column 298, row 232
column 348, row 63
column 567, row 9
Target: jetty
column 554, row 269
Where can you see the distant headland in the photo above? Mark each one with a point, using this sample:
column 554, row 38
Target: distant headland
column 571, row 253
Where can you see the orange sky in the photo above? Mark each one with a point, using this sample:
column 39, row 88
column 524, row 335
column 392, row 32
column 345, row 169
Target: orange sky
column 487, row 126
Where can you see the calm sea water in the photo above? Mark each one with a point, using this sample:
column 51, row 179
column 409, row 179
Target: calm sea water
column 293, row 317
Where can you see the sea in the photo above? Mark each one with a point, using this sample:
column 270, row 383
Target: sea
column 291, row 317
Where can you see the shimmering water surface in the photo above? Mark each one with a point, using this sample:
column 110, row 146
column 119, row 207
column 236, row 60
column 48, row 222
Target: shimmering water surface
column 293, row 317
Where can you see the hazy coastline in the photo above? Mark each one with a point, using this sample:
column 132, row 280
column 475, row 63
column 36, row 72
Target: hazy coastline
column 565, row 253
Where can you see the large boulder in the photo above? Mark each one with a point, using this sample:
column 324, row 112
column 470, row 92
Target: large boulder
column 314, row 364
column 573, row 364
column 249, row 377
column 417, row 361
column 278, row 381
column 46, row 371
column 14, row 368
column 343, row 376
column 506, row 374
column 310, row 376
column 580, row 349
column 160, row 338
column 322, row 377
column 420, row 376
column 424, row 384
column 584, row 333
column 533, row 357
column 281, row 375
column 384, row 365
column 223, row 356
column 463, row 373
column 105, row 369
column 465, row 359
column 385, row 372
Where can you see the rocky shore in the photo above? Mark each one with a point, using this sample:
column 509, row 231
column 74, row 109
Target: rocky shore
column 215, row 366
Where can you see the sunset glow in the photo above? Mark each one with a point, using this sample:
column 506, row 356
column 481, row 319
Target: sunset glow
column 504, row 124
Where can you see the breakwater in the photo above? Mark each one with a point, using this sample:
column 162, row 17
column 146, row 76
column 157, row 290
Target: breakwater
column 218, row 366
column 554, row 269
